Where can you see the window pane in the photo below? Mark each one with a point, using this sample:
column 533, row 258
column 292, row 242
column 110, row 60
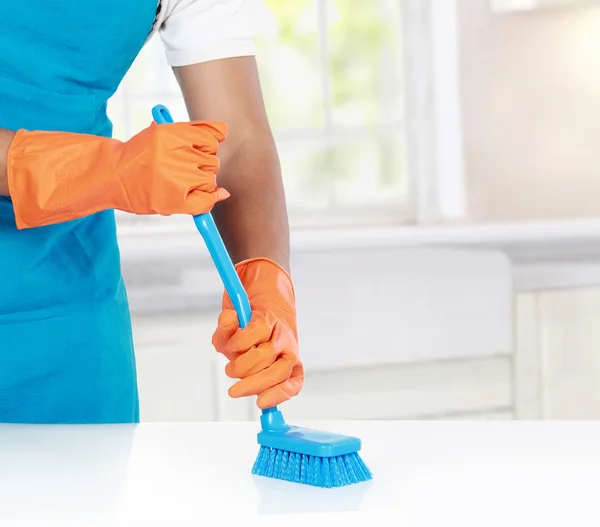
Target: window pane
column 369, row 173
column 288, row 58
column 340, row 72
column 365, row 61
column 347, row 175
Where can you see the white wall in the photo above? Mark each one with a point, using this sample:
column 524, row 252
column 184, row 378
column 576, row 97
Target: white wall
column 530, row 86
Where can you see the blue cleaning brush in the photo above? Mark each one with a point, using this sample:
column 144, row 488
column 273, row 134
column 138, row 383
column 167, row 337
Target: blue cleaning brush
column 290, row 453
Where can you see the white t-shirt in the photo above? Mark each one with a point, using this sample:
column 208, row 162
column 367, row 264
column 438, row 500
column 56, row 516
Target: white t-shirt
column 196, row 31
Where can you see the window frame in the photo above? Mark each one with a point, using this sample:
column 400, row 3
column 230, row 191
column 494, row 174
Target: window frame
column 433, row 105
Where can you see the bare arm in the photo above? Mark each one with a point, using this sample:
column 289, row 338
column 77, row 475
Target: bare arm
column 253, row 221
column 6, row 137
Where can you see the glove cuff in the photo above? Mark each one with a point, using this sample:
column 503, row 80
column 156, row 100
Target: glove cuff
column 55, row 177
column 264, row 269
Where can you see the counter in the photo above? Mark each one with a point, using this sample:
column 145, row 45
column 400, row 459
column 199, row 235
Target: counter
column 168, row 269
column 427, row 473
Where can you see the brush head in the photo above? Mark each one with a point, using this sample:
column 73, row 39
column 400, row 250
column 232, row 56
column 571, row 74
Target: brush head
column 309, row 442
column 303, row 455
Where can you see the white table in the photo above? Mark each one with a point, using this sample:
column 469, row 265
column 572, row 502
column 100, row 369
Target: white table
column 425, row 474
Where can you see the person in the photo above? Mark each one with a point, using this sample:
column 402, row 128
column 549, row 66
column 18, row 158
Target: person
column 66, row 352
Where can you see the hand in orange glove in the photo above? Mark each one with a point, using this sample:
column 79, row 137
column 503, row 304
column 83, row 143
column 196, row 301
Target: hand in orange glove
column 165, row 169
column 264, row 355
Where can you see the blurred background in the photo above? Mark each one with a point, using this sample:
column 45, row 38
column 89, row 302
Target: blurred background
column 442, row 170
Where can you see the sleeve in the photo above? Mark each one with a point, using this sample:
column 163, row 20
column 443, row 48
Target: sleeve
column 196, row 31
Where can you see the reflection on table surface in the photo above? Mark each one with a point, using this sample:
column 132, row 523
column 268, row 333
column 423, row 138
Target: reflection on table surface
column 425, row 473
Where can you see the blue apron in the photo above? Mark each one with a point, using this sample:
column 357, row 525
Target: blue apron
column 66, row 352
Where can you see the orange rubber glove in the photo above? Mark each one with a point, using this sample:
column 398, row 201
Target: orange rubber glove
column 264, row 355
column 166, row 169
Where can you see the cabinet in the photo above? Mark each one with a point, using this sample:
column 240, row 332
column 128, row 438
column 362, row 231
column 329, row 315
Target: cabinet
column 553, row 373
column 402, row 334
column 175, row 375
column 430, row 390
column 558, row 354
column 181, row 378
column 468, row 333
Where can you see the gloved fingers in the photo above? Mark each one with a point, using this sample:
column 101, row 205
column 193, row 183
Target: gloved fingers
column 279, row 372
column 280, row 345
column 257, row 332
column 208, row 164
column 205, row 181
column 196, row 136
column 193, row 165
column 281, row 392
column 199, row 202
column 230, row 338
column 217, row 131
column 256, row 359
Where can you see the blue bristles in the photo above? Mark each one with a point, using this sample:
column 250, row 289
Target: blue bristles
column 311, row 470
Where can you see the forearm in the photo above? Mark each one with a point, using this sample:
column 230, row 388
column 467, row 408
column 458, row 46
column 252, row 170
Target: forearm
column 6, row 137
column 253, row 221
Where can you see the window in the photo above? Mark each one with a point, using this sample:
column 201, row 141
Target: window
column 334, row 81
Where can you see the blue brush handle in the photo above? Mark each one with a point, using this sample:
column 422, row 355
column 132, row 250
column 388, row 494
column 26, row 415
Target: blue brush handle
column 218, row 252
column 208, row 229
